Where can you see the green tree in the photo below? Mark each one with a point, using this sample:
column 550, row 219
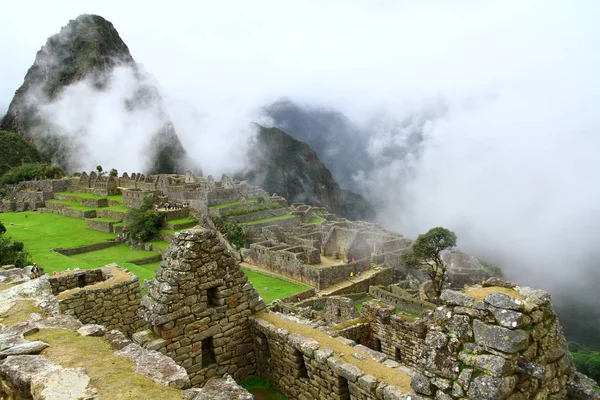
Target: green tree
column 113, row 172
column 31, row 171
column 99, row 170
column 233, row 232
column 144, row 223
column 426, row 252
column 12, row 252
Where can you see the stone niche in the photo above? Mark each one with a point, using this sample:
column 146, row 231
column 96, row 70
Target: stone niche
column 198, row 307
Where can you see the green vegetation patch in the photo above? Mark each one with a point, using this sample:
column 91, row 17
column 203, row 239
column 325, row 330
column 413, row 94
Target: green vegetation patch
column 186, row 220
column 42, row 232
column 315, row 220
column 16, row 150
column 119, row 254
column 262, row 220
column 234, row 212
column 160, row 244
column 92, row 196
column 234, row 203
column 411, row 313
column 271, row 287
column 113, row 376
column 261, row 388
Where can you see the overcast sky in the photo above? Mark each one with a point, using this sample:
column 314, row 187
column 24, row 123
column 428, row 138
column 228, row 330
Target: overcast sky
column 511, row 165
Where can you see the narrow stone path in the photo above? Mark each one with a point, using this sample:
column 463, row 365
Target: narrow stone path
column 348, row 282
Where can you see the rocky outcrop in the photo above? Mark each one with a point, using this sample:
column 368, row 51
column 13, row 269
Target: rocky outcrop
column 494, row 343
column 220, row 389
column 88, row 49
column 286, row 166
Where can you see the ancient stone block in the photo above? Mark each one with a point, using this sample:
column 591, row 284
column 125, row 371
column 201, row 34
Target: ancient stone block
column 499, row 338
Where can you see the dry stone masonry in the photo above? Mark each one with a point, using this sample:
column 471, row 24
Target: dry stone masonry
column 108, row 296
column 198, row 307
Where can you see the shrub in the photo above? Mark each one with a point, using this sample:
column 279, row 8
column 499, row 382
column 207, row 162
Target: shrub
column 144, row 223
column 31, row 171
column 232, row 231
column 12, row 252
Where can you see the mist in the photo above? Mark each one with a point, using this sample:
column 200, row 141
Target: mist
column 491, row 107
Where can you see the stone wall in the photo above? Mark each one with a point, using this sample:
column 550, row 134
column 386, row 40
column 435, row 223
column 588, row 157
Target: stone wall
column 400, row 337
column 85, row 249
column 71, row 280
column 510, row 344
column 46, row 185
column 112, row 305
column 67, row 212
column 198, row 307
column 338, row 309
column 118, row 215
column 381, row 277
column 33, row 197
column 103, row 226
column 301, row 368
column 397, row 300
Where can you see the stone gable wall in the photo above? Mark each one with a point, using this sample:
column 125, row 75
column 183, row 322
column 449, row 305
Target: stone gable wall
column 198, row 307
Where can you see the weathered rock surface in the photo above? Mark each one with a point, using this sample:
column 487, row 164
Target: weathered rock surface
column 92, row 330
column 24, row 348
column 156, row 366
column 499, row 338
column 17, row 371
column 62, row 384
column 222, row 389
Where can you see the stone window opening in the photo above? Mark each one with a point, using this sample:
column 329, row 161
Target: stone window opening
column 343, row 388
column 339, row 312
column 300, row 364
column 213, row 296
column 208, row 352
column 377, row 344
column 398, row 354
column 81, row 281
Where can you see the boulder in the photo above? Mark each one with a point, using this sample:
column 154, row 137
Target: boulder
column 222, row 389
column 17, row 372
column 24, row 348
column 92, row 330
column 156, row 366
column 455, row 298
column 62, row 384
column 499, row 338
column 489, row 388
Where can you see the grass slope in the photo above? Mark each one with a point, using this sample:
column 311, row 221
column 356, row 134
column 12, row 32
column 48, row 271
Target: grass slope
column 271, row 288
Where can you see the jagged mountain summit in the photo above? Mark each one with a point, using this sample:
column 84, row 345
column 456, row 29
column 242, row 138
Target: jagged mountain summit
column 289, row 167
column 88, row 51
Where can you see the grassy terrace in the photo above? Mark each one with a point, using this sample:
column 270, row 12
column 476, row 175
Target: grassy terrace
column 233, row 203
column 271, row 287
column 262, row 220
column 42, row 232
column 315, row 220
column 117, row 197
column 186, row 220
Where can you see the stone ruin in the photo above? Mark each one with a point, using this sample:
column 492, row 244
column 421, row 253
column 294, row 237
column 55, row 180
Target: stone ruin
column 202, row 319
column 198, row 307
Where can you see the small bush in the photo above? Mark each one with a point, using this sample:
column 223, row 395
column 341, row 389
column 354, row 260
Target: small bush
column 232, row 231
column 12, row 252
column 31, row 171
column 144, row 223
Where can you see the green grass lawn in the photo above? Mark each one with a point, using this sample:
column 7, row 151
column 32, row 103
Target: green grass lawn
column 114, row 221
column 260, row 221
column 271, row 288
column 44, row 231
column 118, row 254
column 121, row 208
column 116, row 197
column 185, row 220
column 145, row 271
column 315, row 220
column 160, row 244
column 233, row 203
